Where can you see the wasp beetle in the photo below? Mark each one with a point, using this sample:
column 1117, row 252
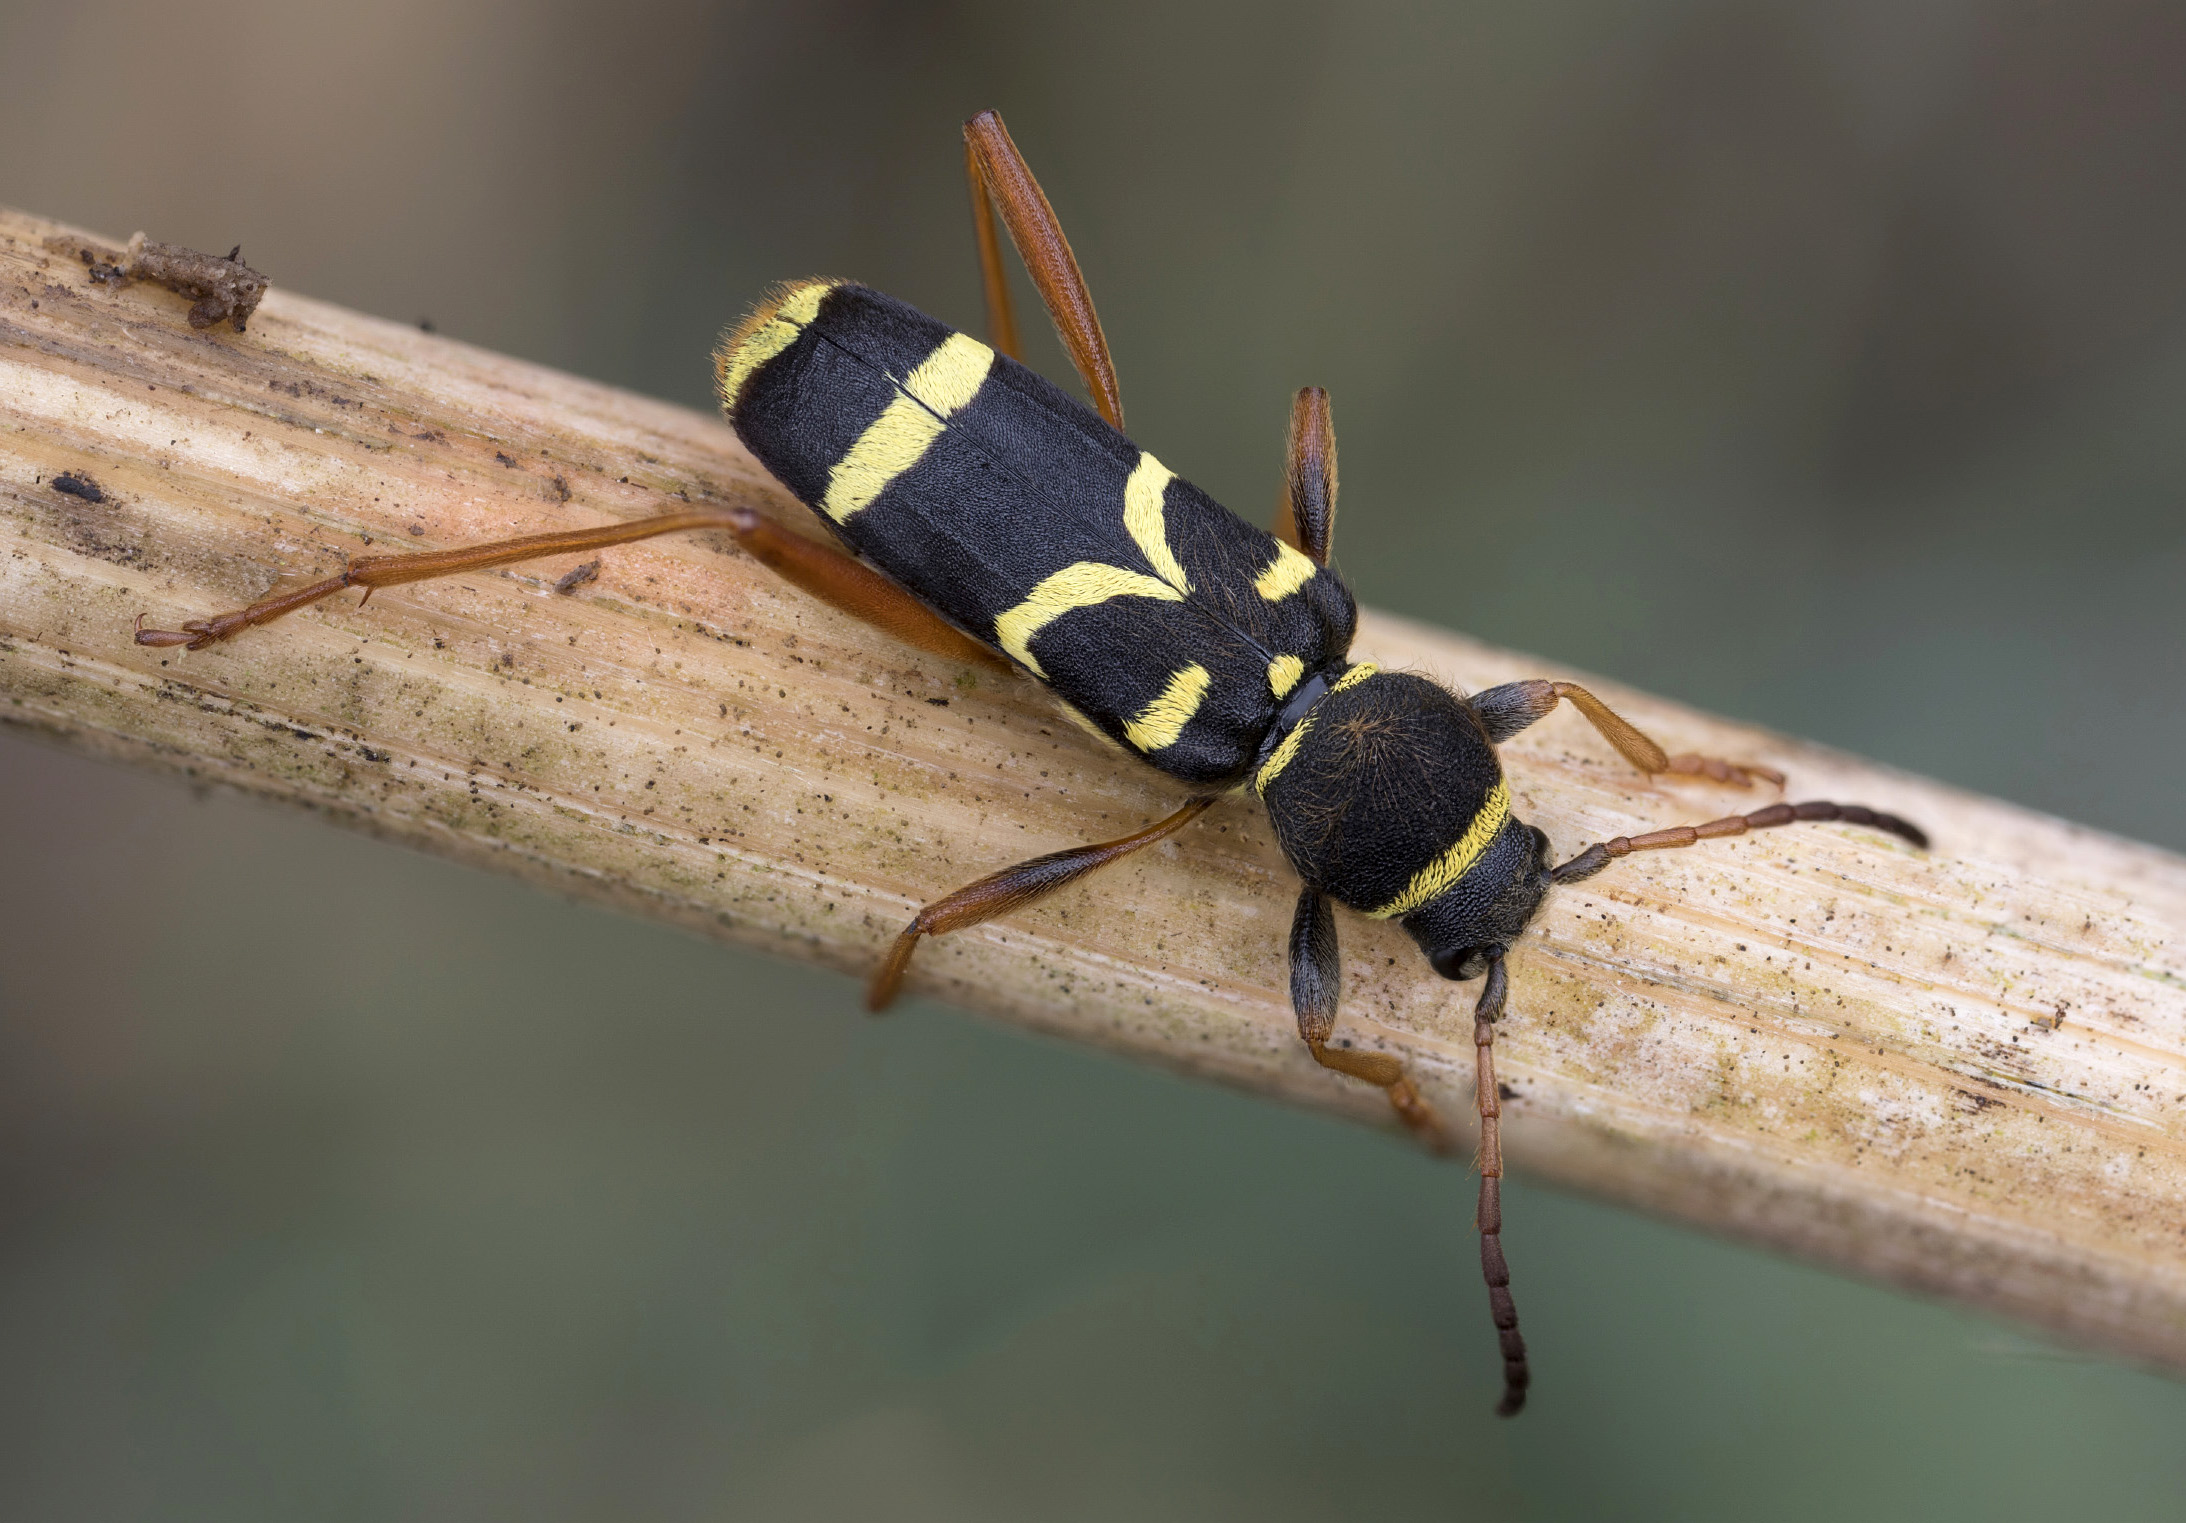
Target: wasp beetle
column 992, row 518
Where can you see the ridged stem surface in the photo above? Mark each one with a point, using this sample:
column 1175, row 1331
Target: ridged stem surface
column 1963, row 1072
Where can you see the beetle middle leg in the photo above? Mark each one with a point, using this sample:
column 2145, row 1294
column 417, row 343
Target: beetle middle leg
column 1012, row 889
column 1506, row 710
column 1001, row 178
column 1316, row 984
column 1308, row 516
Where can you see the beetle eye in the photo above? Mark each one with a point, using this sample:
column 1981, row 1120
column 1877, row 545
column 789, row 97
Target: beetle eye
column 1463, row 963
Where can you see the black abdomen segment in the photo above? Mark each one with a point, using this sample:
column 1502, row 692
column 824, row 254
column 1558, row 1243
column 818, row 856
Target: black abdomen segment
column 1167, row 621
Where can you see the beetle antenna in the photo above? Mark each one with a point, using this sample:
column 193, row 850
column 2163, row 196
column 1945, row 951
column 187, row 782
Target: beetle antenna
column 1598, row 856
column 1489, row 1097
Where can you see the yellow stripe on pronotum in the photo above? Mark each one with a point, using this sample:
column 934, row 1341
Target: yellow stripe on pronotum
column 1084, row 585
column 1143, row 518
column 1273, row 767
column 737, row 365
column 1453, row 864
column 1290, row 570
column 1162, row 721
column 944, row 383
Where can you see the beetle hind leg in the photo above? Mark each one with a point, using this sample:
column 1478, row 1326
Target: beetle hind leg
column 372, row 572
column 1316, row 984
column 846, row 583
column 826, row 573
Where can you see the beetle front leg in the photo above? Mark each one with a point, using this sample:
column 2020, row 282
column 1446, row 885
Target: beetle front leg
column 1316, row 985
column 1506, row 710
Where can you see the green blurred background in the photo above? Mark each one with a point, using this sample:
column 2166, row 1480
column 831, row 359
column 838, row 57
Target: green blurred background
column 1822, row 364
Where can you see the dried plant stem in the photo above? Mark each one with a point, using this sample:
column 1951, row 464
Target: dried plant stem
column 1963, row 1072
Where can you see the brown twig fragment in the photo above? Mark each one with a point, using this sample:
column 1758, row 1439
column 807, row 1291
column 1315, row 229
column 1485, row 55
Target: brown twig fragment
column 1962, row 1071
column 223, row 288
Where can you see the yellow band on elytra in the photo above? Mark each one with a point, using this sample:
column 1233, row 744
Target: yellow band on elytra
column 1289, row 571
column 1161, row 723
column 738, row 362
column 1082, row 585
column 1147, row 524
column 944, row 383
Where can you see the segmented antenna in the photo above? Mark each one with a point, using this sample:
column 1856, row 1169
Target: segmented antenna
column 1516, row 1375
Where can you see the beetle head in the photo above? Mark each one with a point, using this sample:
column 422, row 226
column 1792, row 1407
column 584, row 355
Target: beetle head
column 1486, row 910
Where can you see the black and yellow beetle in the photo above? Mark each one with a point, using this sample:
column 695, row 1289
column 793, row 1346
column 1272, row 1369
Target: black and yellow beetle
column 1000, row 521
